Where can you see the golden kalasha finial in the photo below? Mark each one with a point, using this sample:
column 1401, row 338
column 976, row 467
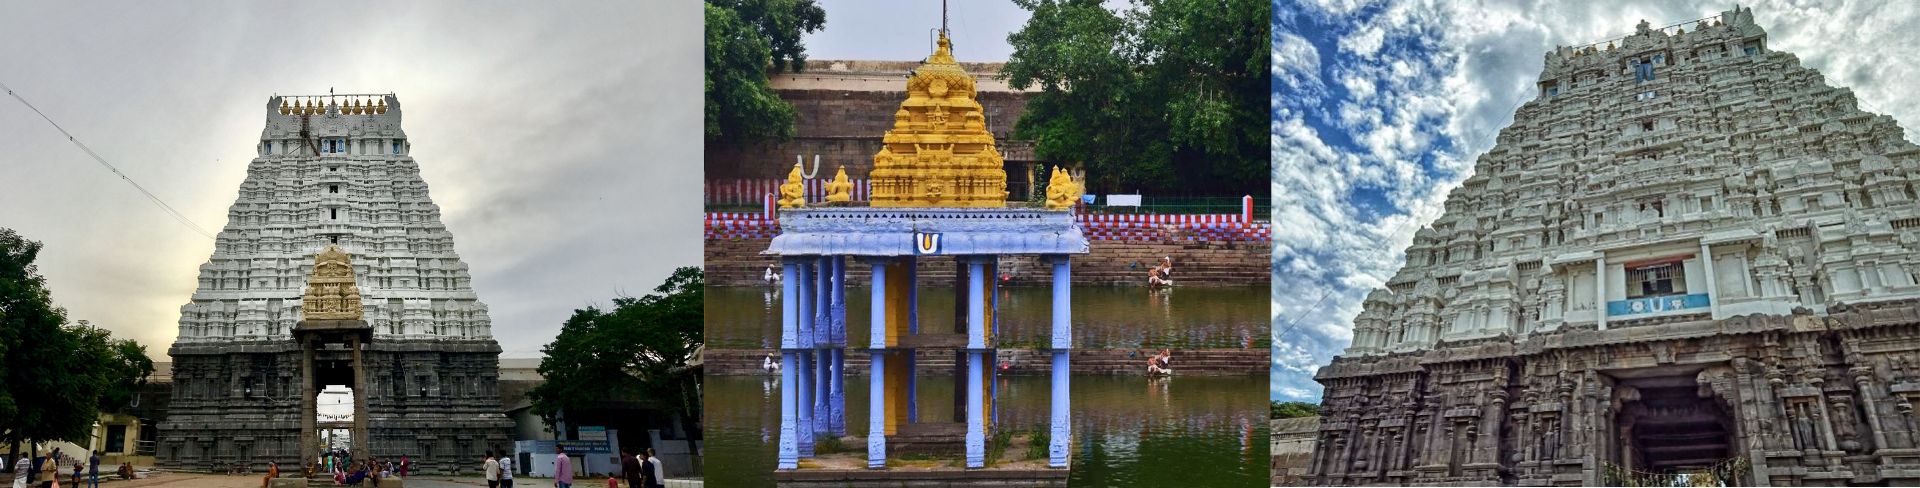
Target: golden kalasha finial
column 355, row 108
column 283, row 107
column 793, row 193
column 839, row 190
column 382, row 108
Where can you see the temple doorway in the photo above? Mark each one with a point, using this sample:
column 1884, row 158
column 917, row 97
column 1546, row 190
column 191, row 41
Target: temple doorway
column 1669, row 424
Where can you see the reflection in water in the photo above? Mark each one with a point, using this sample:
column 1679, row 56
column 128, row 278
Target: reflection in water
column 1104, row 317
column 1128, row 431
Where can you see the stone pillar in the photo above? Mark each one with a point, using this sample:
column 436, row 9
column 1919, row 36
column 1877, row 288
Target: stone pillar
column 1713, row 285
column 789, row 455
column 1600, row 292
column 876, row 392
column 976, row 408
column 1862, row 383
column 1060, row 425
column 804, row 368
column 822, row 341
column 362, row 446
column 309, row 438
column 804, row 402
column 977, row 325
column 837, row 396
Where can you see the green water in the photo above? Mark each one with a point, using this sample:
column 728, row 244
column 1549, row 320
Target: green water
column 1104, row 317
column 1128, row 431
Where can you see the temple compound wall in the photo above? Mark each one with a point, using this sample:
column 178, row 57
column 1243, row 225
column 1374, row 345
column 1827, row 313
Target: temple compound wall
column 333, row 170
column 1688, row 254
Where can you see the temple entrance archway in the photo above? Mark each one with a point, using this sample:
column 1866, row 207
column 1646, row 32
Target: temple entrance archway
column 1666, row 422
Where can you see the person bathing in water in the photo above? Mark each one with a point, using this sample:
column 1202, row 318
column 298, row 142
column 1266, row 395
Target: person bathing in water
column 1158, row 364
column 1162, row 274
column 771, row 277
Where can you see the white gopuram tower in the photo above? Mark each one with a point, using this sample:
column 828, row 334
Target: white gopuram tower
column 333, row 170
column 1689, row 259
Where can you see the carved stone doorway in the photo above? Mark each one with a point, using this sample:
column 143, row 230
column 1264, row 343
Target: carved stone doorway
column 1666, row 422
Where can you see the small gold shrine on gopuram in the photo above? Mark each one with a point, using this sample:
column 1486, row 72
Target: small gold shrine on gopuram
column 331, row 292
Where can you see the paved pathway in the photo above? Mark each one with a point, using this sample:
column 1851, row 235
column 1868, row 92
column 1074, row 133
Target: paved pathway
column 192, row 480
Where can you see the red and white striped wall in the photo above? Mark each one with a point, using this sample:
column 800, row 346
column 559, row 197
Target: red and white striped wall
column 1176, row 227
column 750, row 191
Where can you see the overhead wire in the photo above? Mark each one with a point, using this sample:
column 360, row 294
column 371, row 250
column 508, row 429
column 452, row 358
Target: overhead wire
column 177, row 216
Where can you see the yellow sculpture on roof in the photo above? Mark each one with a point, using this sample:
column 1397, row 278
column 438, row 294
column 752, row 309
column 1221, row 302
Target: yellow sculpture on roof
column 840, row 190
column 331, row 291
column 1062, row 191
column 939, row 153
column 793, row 193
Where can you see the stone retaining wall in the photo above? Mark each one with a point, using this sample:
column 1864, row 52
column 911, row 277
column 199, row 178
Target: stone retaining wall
column 738, row 262
column 1186, row 362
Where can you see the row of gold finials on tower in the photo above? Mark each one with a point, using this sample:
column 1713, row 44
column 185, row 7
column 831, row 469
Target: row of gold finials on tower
column 939, row 152
column 352, row 107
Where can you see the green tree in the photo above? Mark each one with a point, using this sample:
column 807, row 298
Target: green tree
column 636, row 352
column 744, row 38
column 1288, row 410
column 1166, row 96
column 56, row 376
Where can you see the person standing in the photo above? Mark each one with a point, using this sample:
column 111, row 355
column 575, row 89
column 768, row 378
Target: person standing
column 646, row 471
column 562, row 468
column 492, row 470
column 93, row 469
column 630, row 468
column 506, row 469
column 20, row 468
column 659, row 469
column 405, row 464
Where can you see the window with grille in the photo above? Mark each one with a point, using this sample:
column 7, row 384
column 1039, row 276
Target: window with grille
column 1652, row 281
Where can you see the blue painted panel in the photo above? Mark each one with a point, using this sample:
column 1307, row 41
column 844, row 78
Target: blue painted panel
column 1650, row 305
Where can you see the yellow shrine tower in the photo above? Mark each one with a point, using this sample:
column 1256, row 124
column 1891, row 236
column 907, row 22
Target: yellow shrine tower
column 939, row 153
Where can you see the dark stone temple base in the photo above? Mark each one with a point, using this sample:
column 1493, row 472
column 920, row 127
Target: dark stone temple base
column 435, row 401
column 1800, row 400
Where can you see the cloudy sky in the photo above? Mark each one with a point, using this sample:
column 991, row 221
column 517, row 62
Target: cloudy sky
column 898, row 29
column 1380, row 108
column 560, row 141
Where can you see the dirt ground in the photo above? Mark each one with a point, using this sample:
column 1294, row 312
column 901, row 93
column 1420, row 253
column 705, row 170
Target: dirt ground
column 192, row 480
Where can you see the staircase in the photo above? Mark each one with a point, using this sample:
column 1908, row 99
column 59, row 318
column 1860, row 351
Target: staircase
column 1186, row 362
column 738, row 262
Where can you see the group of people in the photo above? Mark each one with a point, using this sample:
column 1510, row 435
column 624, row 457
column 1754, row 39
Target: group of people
column 349, row 471
column 27, row 470
column 641, row 470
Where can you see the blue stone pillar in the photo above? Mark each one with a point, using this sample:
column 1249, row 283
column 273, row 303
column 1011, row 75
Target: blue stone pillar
column 789, row 456
column 977, row 325
column 837, row 396
column 823, row 341
column 803, row 398
column 1060, row 427
column 838, row 308
column 876, row 393
column 803, row 368
column 976, row 427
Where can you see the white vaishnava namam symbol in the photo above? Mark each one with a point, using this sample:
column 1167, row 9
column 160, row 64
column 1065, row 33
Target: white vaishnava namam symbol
column 926, row 243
